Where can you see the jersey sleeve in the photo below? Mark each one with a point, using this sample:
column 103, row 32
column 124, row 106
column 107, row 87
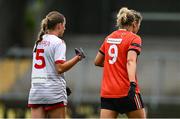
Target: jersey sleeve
column 136, row 45
column 60, row 53
column 102, row 49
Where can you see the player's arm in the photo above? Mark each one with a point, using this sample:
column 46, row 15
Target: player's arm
column 131, row 69
column 133, row 51
column 65, row 66
column 99, row 60
column 131, row 65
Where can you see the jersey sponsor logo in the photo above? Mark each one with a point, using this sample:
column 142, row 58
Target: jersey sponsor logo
column 114, row 40
column 44, row 43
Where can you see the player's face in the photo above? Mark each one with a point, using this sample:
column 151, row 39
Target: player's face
column 62, row 28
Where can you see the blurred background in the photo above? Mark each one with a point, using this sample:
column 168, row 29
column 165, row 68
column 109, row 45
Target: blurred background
column 88, row 22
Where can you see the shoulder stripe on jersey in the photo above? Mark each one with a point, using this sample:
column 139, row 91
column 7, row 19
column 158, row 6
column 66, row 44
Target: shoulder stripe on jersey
column 135, row 51
column 101, row 52
column 135, row 44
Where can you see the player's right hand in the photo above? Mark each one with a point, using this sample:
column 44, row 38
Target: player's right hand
column 132, row 90
column 80, row 52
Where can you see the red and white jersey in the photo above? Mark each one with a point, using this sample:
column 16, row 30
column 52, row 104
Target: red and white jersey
column 47, row 86
column 115, row 82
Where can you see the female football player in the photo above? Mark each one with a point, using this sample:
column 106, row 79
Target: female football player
column 48, row 96
column 118, row 54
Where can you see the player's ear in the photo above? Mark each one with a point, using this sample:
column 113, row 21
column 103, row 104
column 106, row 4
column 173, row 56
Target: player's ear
column 59, row 26
column 134, row 24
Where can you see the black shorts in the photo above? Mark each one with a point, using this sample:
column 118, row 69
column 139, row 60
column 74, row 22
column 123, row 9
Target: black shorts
column 122, row 105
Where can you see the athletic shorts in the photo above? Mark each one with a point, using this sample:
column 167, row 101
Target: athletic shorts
column 47, row 107
column 122, row 105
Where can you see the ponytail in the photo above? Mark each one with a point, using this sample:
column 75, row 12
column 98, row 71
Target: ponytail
column 43, row 31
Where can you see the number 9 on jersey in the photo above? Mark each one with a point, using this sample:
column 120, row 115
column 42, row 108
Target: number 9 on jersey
column 113, row 53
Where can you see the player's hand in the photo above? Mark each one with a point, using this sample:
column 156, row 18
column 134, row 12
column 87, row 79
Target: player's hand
column 132, row 90
column 68, row 90
column 80, row 52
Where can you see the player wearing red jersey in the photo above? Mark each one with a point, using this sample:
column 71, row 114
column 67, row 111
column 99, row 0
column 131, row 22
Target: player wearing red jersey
column 118, row 55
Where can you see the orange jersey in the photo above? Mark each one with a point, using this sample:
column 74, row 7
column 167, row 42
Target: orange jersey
column 115, row 82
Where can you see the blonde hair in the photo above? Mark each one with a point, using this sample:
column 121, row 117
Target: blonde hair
column 126, row 17
column 49, row 23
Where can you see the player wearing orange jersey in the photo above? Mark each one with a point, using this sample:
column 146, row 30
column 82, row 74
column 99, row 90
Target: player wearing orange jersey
column 118, row 55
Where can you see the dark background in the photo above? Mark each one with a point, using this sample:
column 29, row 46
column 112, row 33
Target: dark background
column 20, row 19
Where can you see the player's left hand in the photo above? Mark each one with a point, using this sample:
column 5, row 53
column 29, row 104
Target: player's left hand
column 132, row 90
column 68, row 90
